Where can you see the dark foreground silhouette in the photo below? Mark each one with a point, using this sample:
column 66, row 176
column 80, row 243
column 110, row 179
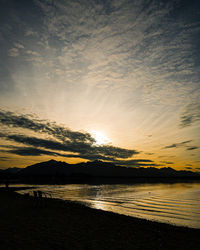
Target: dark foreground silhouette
column 92, row 172
column 56, row 224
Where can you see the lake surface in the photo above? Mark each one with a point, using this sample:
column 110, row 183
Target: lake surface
column 177, row 204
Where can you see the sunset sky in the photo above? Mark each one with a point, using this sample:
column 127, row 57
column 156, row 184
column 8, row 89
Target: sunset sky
column 114, row 80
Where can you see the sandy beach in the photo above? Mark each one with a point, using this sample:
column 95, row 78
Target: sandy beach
column 27, row 223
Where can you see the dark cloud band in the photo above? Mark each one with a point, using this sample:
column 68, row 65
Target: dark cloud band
column 80, row 144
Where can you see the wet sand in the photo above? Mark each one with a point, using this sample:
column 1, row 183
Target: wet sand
column 27, row 223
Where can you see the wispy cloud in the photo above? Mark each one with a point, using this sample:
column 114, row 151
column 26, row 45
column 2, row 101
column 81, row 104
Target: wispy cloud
column 13, row 52
column 167, row 162
column 31, row 33
column 192, row 148
column 4, row 158
column 178, row 145
column 109, row 44
column 191, row 114
column 136, row 163
column 19, row 45
column 28, row 151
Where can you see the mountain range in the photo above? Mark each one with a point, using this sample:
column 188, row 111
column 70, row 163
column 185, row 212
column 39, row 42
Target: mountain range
column 62, row 172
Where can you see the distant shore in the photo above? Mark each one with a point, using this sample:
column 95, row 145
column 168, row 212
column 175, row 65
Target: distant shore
column 100, row 181
column 28, row 223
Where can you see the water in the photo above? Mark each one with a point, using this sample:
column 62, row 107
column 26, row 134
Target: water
column 177, row 204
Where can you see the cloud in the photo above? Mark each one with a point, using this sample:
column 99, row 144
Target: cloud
column 34, row 151
column 125, row 45
column 19, row 45
column 136, row 163
column 132, row 44
column 192, row 148
column 115, row 151
column 14, row 52
column 33, row 53
column 31, row 33
column 26, row 122
column 85, row 150
column 191, row 115
column 65, row 140
column 167, row 162
column 178, row 145
column 188, row 167
column 96, row 58
column 128, row 43
column 3, row 158
column 29, row 151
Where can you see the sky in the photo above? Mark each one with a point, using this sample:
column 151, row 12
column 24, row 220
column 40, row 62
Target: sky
column 114, row 80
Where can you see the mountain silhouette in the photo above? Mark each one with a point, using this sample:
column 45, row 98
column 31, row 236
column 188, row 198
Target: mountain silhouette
column 58, row 171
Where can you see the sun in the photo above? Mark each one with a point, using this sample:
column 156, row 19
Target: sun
column 100, row 137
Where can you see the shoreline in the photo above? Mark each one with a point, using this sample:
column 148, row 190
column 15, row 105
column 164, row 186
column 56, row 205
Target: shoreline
column 56, row 224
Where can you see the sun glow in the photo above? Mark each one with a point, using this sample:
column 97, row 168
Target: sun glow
column 100, row 137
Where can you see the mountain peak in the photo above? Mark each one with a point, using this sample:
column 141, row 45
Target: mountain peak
column 52, row 161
